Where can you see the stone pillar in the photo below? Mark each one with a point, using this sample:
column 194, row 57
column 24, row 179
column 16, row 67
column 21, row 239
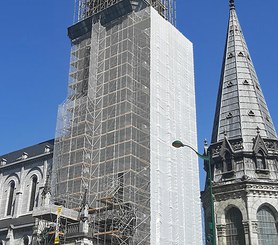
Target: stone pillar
column 246, row 232
column 18, row 195
column 17, row 204
column 45, row 179
column 221, row 234
column 254, row 233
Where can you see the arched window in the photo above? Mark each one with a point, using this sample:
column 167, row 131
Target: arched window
column 267, row 227
column 11, row 198
column 25, row 240
column 234, row 227
column 260, row 159
column 228, row 162
column 33, row 192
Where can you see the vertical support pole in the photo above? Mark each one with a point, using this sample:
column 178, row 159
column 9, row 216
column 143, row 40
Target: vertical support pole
column 212, row 225
column 57, row 239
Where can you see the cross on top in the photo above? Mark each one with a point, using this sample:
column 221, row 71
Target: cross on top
column 232, row 3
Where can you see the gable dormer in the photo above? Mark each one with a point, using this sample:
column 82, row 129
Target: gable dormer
column 260, row 154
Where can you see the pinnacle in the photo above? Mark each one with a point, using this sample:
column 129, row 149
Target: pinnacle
column 232, row 4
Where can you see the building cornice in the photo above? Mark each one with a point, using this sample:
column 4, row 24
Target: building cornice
column 25, row 161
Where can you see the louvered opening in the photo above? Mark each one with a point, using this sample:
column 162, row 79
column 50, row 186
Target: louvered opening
column 251, row 113
column 230, row 55
column 230, row 115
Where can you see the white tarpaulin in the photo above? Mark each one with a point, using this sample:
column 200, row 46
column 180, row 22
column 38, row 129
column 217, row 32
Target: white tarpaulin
column 175, row 192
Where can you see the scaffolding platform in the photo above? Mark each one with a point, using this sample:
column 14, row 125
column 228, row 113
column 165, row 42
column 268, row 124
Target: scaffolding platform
column 49, row 213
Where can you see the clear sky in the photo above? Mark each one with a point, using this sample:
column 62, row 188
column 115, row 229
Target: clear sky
column 34, row 61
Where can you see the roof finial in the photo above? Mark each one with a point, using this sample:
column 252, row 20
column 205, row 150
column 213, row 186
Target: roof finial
column 232, row 4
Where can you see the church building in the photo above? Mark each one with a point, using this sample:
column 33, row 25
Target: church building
column 243, row 151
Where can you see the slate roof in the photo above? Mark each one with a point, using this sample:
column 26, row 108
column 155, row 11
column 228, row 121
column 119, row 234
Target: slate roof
column 241, row 108
column 32, row 151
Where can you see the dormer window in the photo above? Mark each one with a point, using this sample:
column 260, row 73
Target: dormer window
column 240, row 54
column 230, row 115
column 227, row 165
column 230, row 84
column 230, row 55
column 251, row 113
column 228, row 162
column 261, row 165
column 260, row 160
column 245, row 82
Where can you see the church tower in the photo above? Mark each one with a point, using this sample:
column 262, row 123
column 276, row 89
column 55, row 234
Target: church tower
column 243, row 150
column 131, row 81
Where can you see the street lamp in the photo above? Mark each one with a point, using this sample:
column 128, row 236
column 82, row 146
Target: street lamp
column 205, row 157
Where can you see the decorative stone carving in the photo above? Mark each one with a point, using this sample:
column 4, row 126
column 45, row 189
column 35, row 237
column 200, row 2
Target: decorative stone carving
column 237, row 145
column 245, row 227
column 3, row 162
column 221, row 230
column 245, row 177
column 254, row 226
column 215, row 151
column 24, row 155
column 271, row 145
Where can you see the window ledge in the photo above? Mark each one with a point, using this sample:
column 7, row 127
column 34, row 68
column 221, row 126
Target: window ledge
column 262, row 171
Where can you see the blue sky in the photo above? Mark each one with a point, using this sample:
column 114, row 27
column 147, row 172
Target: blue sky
column 35, row 52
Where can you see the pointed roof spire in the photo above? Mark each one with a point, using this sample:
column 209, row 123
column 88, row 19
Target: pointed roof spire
column 84, row 207
column 85, row 198
column 241, row 106
column 232, row 4
column 46, row 188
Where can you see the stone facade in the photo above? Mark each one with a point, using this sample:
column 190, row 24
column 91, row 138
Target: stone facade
column 22, row 178
column 244, row 153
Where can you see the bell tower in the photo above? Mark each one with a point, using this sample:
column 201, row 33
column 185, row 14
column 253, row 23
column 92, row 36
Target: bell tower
column 243, row 150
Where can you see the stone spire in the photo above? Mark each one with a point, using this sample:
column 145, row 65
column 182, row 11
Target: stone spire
column 243, row 152
column 241, row 107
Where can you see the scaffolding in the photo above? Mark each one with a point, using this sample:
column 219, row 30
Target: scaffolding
column 87, row 8
column 116, row 220
column 52, row 222
column 102, row 141
column 107, row 123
